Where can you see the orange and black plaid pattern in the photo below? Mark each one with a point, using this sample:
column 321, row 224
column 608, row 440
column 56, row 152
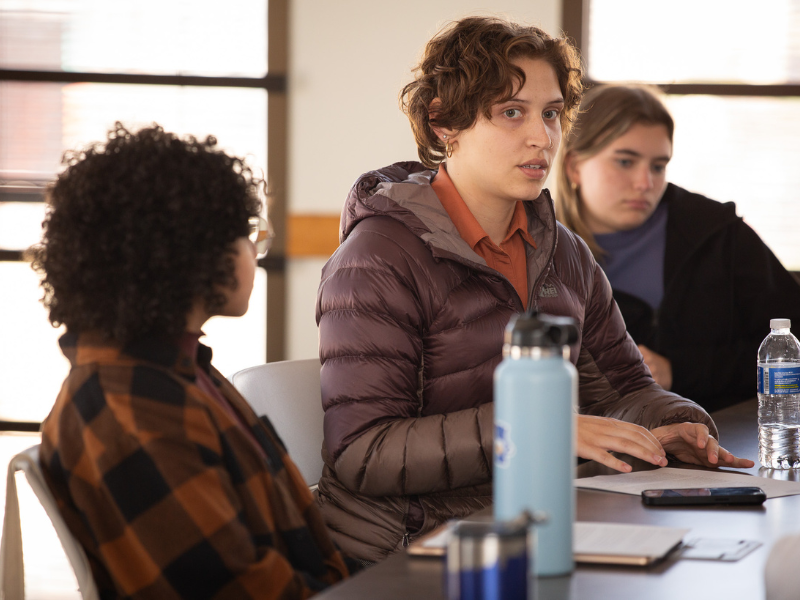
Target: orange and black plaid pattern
column 166, row 492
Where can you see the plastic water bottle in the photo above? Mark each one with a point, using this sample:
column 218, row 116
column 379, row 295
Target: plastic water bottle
column 779, row 398
column 535, row 396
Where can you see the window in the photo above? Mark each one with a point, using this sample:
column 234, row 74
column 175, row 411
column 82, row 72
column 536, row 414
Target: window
column 731, row 72
column 68, row 70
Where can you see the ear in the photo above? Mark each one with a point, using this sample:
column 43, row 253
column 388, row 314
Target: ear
column 572, row 167
column 440, row 132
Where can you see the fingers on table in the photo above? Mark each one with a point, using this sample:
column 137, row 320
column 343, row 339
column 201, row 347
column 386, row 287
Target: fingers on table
column 609, row 460
column 732, row 461
column 604, row 457
column 636, row 446
column 608, row 435
column 633, row 434
column 703, row 438
column 712, row 448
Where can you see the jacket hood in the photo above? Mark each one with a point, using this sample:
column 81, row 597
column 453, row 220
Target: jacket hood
column 692, row 221
column 403, row 192
column 692, row 213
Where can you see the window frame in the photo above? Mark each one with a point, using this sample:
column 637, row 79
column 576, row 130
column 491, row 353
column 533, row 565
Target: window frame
column 575, row 25
column 275, row 84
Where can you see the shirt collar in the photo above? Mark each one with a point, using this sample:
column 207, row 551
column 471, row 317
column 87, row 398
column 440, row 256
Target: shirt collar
column 93, row 347
column 467, row 225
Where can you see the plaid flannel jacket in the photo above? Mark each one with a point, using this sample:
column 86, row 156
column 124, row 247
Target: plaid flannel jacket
column 166, row 492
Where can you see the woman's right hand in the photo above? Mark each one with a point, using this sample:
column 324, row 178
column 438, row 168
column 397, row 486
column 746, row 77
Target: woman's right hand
column 599, row 436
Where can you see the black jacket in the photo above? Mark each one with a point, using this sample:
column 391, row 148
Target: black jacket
column 722, row 285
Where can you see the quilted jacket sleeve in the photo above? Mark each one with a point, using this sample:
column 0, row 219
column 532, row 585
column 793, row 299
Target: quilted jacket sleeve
column 614, row 381
column 372, row 309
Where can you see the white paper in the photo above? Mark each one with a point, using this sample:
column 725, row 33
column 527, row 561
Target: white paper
column 729, row 550
column 623, row 539
column 669, row 477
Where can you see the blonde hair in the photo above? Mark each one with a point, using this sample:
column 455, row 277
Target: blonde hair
column 606, row 113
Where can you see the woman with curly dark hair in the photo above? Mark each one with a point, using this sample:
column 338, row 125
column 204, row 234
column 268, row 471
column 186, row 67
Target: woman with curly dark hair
column 435, row 259
column 162, row 471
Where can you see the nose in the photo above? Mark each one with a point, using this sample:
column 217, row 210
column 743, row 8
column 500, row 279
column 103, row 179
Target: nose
column 539, row 135
column 644, row 179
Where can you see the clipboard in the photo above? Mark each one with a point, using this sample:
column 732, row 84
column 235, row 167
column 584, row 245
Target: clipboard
column 593, row 543
column 432, row 544
column 622, row 559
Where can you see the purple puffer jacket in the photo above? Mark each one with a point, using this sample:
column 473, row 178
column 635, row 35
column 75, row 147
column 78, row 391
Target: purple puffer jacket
column 411, row 329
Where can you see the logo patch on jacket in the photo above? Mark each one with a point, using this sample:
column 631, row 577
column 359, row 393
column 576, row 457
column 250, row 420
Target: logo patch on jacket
column 548, row 290
column 504, row 448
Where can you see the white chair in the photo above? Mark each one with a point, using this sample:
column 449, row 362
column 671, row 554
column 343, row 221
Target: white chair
column 12, row 570
column 288, row 393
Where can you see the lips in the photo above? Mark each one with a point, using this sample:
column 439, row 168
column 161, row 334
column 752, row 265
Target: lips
column 539, row 163
column 637, row 204
column 534, row 169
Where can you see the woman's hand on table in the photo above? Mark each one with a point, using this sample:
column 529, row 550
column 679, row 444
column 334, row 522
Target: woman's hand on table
column 691, row 443
column 597, row 437
column 660, row 366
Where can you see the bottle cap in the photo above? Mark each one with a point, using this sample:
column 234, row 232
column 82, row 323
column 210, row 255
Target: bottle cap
column 780, row 323
column 532, row 330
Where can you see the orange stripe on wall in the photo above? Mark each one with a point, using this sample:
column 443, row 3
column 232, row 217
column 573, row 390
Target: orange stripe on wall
column 312, row 235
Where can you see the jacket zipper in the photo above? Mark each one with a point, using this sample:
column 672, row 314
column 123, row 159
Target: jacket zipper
column 534, row 296
column 533, row 301
column 405, row 540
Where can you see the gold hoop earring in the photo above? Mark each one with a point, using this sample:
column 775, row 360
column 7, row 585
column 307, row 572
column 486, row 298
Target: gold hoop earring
column 448, row 147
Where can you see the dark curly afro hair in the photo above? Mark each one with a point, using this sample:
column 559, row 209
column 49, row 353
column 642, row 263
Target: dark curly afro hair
column 141, row 227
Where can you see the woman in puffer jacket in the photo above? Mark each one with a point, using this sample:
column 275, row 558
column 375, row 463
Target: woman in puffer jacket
column 435, row 258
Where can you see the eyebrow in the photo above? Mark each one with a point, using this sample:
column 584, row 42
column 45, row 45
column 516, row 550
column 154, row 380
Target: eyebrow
column 527, row 102
column 635, row 154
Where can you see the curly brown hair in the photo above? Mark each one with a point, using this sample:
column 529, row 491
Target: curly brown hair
column 468, row 67
column 141, row 227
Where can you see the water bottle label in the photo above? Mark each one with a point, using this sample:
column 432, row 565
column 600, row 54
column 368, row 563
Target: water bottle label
column 504, row 448
column 779, row 380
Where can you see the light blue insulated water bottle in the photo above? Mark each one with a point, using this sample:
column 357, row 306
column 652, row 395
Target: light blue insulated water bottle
column 535, row 398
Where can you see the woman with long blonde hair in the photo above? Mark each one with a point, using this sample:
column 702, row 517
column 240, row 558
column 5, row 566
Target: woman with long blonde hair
column 696, row 285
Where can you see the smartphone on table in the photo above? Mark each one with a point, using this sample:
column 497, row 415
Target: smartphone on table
column 704, row 496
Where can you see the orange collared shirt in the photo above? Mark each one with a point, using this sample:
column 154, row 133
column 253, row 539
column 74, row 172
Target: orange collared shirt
column 509, row 258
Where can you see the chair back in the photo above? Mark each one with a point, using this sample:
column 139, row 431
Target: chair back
column 288, row 392
column 12, row 570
